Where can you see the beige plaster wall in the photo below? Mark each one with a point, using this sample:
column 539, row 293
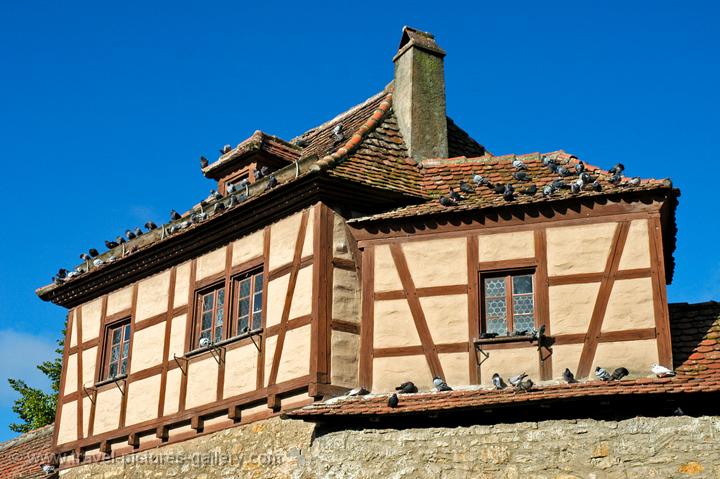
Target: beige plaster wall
column 505, row 246
column 276, row 291
column 437, row 262
column 177, row 336
column 346, row 295
column 88, row 365
column 240, row 370
column 389, row 373
column 73, row 330
column 636, row 253
column 456, row 369
column 637, row 356
column 87, row 404
column 301, row 304
column 283, row 236
column 295, row 358
column 210, row 263
column 571, row 307
column 447, row 317
column 107, row 410
column 386, row 275
column 579, row 249
column 344, row 357
column 152, row 296
column 71, row 375
column 142, row 400
column 307, row 248
column 182, row 284
column 147, row 347
column 248, row 247
column 201, row 382
column 67, row 430
column 394, row 325
column 341, row 242
column 566, row 356
column 119, row 300
column 630, row 305
column 172, row 390
column 91, row 313
column 509, row 362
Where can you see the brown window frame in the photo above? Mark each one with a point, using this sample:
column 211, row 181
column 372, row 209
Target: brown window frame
column 198, row 308
column 249, row 274
column 107, row 346
column 507, row 274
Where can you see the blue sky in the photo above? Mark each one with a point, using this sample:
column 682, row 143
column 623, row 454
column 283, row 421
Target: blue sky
column 105, row 108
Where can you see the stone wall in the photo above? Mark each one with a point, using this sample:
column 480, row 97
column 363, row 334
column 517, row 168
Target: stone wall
column 664, row 447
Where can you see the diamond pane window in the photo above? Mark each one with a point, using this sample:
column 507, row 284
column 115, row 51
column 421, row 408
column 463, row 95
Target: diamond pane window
column 116, row 350
column 211, row 306
column 508, row 303
column 248, row 302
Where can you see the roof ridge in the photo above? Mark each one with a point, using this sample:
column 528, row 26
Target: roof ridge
column 352, row 144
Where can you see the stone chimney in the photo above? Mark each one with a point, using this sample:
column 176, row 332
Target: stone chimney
column 419, row 98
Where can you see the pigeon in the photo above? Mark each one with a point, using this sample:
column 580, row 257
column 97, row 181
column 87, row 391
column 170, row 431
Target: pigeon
column 579, row 167
column 480, row 180
column 585, row 178
column 465, row 188
column 129, row 234
column 361, row 391
column 524, row 386
column 225, row 149
column 119, row 240
column 441, row 385
column 617, row 169
column 602, row 374
column 521, row 176
column 407, row 387
column 615, row 179
column 530, row 190
column 337, row 133
column 138, row 231
column 393, row 401
column 619, row 373
column 509, row 192
column 84, row 257
column 112, row 259
column 72, row 274
column 661, row 371
column 62, row 273
column 57, row 281
column 635, row 181
column 213, row 196
column 488, row 335
column 498, row 381
column 568, row 376
column 174, row 215
column 596, row 185
column 445, row 201
column 546, row 160
column 97, row 262
column 499, row 188
column 93, row 252
column 548, row 190
column 111, row 244
column 218, row 208
column 575, row 188
column 272, row 182
column 539, row 333
column 150, row 226
column 203, row 162
column 559, row 184
column 204, row 342
column 198, row 217
column 552, row 166
column 515, row 380
column 454, row 195
column 519, row 165
column 562, row 171
column 301, row 142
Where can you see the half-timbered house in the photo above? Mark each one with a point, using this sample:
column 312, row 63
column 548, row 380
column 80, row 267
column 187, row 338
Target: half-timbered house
column 328, row 262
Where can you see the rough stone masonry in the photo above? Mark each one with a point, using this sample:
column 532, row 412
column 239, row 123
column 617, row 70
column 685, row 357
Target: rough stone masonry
column 663, row 447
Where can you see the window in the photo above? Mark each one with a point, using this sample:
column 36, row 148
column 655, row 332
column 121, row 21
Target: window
column 211, row 311
column 508, row 302
column 117, row 347
column 249, row 299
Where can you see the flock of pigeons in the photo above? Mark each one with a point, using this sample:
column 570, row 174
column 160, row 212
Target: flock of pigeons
column 576, row 179
column 520, row 382
column 210, row 206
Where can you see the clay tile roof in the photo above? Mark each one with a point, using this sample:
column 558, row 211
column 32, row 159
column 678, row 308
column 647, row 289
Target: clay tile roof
column 23, row 456
column 696, row 350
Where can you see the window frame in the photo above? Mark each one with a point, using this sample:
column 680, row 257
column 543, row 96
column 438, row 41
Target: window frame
column 198, row 313
column 507, row 275
column 108, row 329
column 252, row 274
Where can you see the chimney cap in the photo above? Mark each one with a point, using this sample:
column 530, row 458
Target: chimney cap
column 412, row 37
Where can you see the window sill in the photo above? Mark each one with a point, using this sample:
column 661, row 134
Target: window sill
column 222, row 343
column 115, row 379
column 506, row 339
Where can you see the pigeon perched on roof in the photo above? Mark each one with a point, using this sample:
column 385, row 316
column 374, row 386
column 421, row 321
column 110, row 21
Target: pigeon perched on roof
column 337, row 133
column 62, row 273
column 361, row 391
column 546, row 160
column 301, row 142
column 174, row 215
column 525, row 385
column 272, row 182
column 487, row 335
column 661, row 371
column 619, row 373
column 225, row 149
column 596, row 185
column 579, row 167
column 575, row 188
column 562, row 171
column 508, row 192
column 568, row 376
column 119, row 240
column 441, row 385
column 203, row 162
column 635, row 181
column 407, row 387
column 84, row 256
column 529, row 190
column 97, row 262
column 559, row 184
column 150, row 226
column 138, row 231
column 454, row 195
column 445, row 201
column 617, row 169
column 480, row 180
column 57, row 281
column 93, row 252
column 498, row 381
column 602, row 374
column 129, row 234
column 586, row 178
column 393, row 401
column 515, row 380
column 519, row 164
column 465, row 188
column 111, row 244
column 499, row 188
column 615, row 179
column 521, row 176
column 548, row 190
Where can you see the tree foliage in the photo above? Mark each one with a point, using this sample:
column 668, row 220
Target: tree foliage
column 35, row 407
